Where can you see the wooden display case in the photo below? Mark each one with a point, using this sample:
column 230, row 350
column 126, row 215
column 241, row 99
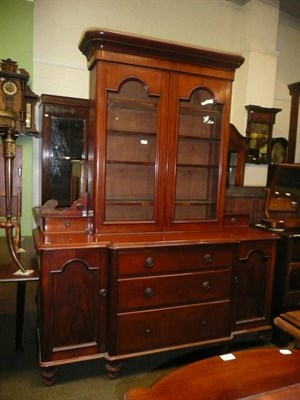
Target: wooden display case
column 157, row 154
column 160, row 134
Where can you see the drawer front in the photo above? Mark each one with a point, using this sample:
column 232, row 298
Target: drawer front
column 148, row 330
column 154, row 260
column 62, row 225
column 135, row 293
column 236, row 220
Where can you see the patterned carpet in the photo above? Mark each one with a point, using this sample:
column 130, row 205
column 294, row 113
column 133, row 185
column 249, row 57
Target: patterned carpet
column 20, row 377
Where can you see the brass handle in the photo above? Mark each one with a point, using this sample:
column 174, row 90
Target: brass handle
column 148, row 292
column 149, row 262
column 205, row 285
column 208, row 258
column 103, row 292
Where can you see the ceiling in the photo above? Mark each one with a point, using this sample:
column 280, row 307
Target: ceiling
column 291, row 7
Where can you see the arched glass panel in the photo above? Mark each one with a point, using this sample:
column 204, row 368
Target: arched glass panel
column 131, row 153
column 198, row 157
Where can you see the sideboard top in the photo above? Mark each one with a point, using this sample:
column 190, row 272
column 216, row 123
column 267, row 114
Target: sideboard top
column 101, row 40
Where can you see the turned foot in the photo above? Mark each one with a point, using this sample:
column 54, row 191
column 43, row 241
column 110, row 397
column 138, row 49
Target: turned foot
column 48, row 375
column 113, row 369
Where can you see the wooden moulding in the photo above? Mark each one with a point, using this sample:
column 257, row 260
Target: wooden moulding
column 93, row 40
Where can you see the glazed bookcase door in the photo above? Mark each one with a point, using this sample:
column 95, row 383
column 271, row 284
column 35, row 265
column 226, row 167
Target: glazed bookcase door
column 133, row 171
column 195, row 163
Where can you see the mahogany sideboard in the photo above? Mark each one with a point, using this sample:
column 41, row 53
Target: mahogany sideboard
column 146, row 261
column 138, row 296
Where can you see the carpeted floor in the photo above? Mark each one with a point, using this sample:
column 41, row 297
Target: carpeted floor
column 20, row 377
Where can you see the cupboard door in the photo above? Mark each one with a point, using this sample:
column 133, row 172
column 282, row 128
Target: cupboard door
column 253, row 286
column 132, row 147
column 72, row 304
column 195, row 150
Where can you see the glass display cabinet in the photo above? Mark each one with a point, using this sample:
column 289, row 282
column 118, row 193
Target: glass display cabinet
column 132, row 145
column 145, row 261
column 259, row 130
column 160, row 151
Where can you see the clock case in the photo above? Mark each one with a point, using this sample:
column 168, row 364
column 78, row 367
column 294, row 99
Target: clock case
column 282, row 206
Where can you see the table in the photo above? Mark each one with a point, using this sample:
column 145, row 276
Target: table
column 8, row 269
column 263, row 373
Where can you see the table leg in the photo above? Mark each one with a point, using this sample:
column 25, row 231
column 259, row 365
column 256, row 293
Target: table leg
column 21, row 290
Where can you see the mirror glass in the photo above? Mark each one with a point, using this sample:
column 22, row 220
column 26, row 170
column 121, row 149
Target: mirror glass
column 67, row 144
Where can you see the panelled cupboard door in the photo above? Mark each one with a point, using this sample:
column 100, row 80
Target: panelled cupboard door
column 129, row 148
column 253, row 285
column 73, row 304
column 196, row 151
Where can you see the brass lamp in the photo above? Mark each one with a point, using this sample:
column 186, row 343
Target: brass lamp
column 17, row 117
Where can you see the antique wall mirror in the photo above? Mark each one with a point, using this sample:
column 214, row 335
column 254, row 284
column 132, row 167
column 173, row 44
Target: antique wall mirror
column 64, row 129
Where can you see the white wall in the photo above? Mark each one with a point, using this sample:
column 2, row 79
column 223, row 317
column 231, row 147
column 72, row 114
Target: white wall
column 59, row 67
column 288, row 71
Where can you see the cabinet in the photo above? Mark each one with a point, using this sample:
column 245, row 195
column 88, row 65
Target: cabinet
column 287, row 282
column 157, row 149
column 170, row 296
column 72, row 305
column 63, row 123
column 253, row 279
column 160, row 135
column 282, row 215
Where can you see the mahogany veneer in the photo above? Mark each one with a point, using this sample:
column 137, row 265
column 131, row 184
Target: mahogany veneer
column 254, row 374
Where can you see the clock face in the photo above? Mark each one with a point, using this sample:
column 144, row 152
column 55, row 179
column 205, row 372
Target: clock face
column 278, row 153
column 9, row 88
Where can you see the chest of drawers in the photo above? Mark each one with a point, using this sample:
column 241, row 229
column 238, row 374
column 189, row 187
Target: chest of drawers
column 170, row 296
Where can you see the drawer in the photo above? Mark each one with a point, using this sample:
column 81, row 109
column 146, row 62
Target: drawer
column 71, row 224
column 148, row 330
column 173, row 258
column 236, row 220
column 159, row 291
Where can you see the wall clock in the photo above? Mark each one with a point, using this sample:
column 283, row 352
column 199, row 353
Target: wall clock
column 9, row 88
column 278, row 150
